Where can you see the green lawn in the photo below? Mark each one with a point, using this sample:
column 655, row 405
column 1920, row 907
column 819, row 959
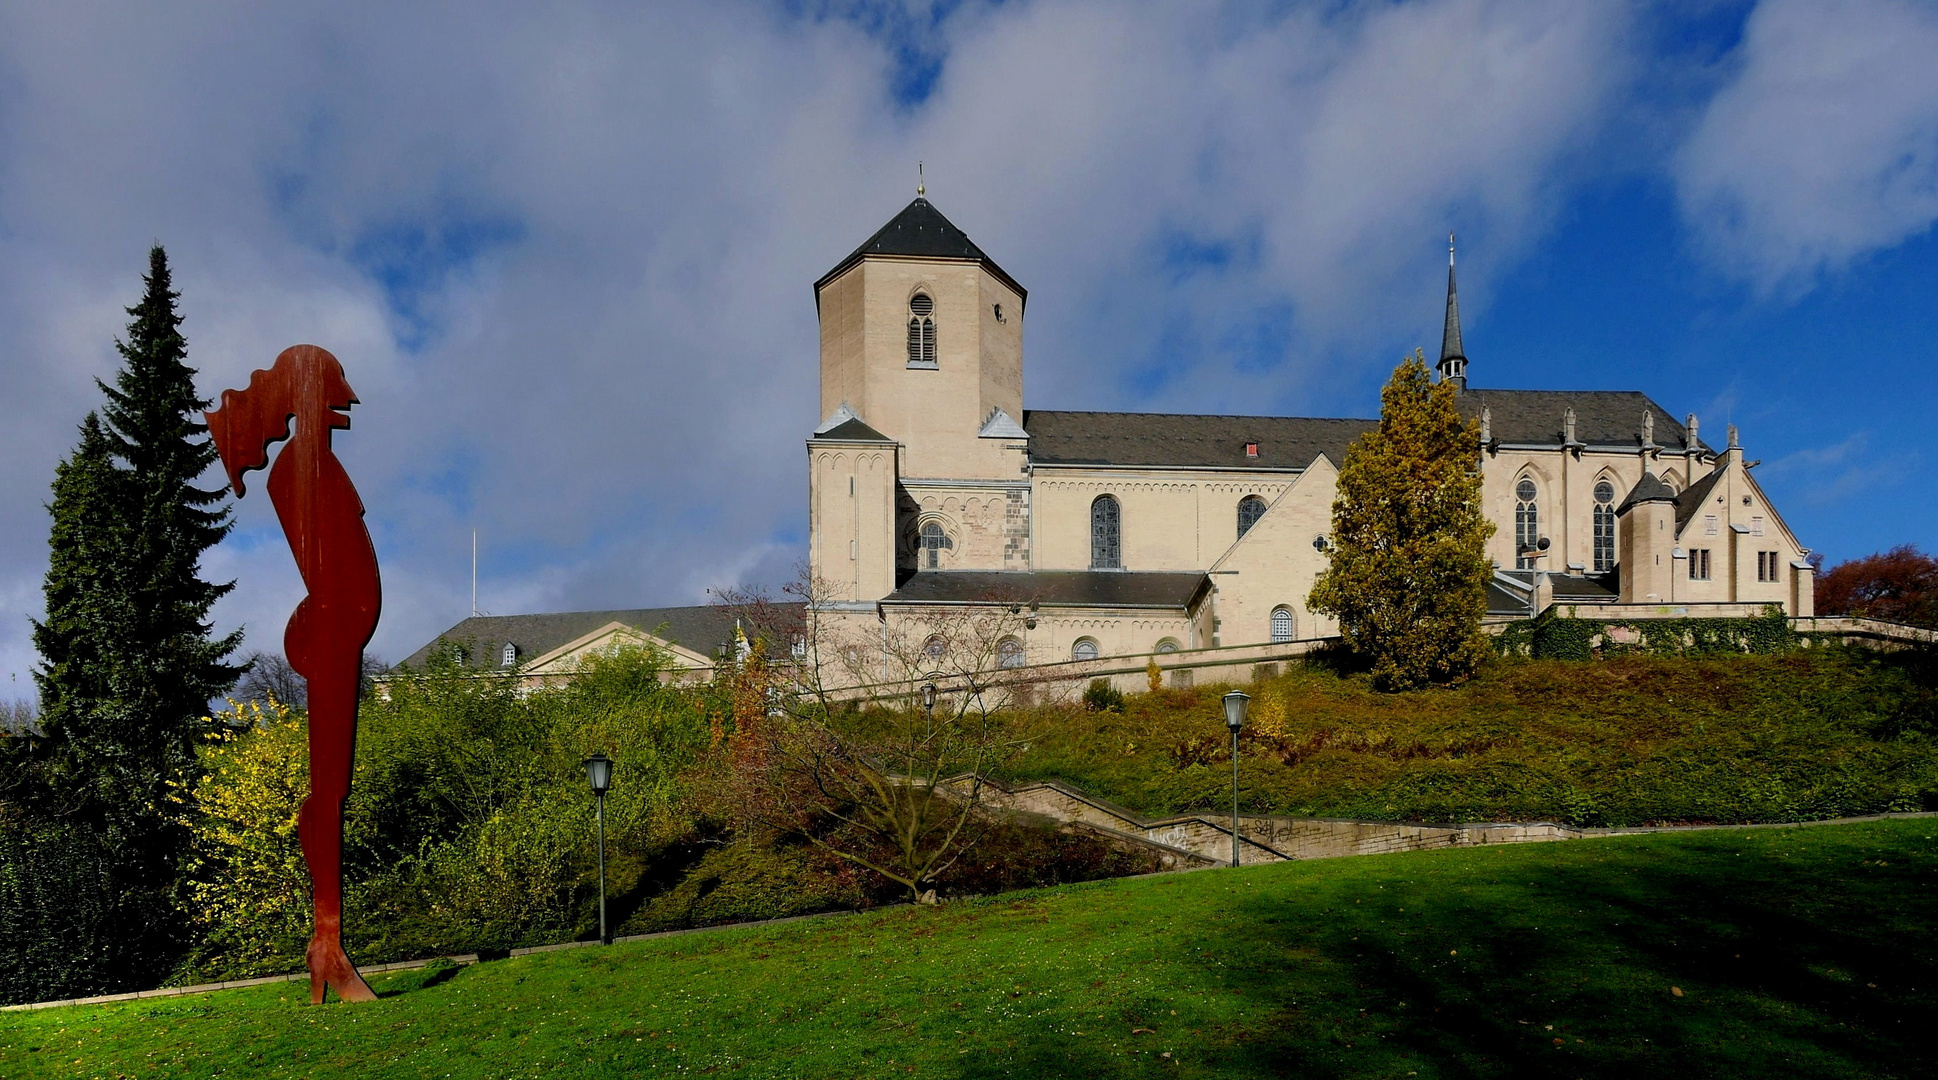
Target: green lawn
column 1798, row 952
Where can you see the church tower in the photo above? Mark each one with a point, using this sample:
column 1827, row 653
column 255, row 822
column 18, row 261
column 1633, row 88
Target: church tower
column 921, row 369
column 1453, row 357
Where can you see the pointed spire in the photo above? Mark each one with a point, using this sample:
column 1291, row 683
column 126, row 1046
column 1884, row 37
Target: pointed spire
column 1453, row 357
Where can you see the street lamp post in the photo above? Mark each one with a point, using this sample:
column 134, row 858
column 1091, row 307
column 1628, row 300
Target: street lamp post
column 928, row 706
column 1235, row 703
column 598, row 771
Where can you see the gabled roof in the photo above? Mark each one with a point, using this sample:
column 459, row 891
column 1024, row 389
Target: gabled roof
column 1647, row 490
column 853, row 431
column 1182, row 441
column 921, row 232
column 1053, row 588
column 844, row 426
column 1694, row 496
column 701, row 630
column 1603, row 418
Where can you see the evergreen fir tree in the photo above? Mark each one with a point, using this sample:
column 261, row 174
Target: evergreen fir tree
column 1409, row 568
column 128, row 661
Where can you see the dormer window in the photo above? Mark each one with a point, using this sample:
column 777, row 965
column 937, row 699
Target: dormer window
column 508, row 656
column 921, row 331
column 1251, row 449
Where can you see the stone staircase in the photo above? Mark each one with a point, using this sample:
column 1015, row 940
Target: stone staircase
column 1189, row 840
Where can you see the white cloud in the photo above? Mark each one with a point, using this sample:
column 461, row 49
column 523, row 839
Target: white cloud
column 565, row 252
column 1823, row 147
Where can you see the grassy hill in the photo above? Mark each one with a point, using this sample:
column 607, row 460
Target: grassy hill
column 1807, row 952
column 1805, row 735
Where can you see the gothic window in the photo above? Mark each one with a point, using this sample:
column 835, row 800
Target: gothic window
column 1604, row 527
column 921, row 331
column 1250, row 509
column 1283, row 627
column 1084, row 649
column 933, row 543
column 1009, row 653
column 1527, row 524
column 1106, row 534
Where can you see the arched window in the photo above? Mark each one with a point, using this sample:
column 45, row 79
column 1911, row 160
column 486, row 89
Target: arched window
column 921, row 331
column 1084, row 649
column 1168, row 645
column 1283, row 627
column 935, row 648
column 1604, row 526
column 508, row 656
column 1106, row 534
column 1250, row 509
column 1527, row 524
column 934, row 543
column 1009, row 653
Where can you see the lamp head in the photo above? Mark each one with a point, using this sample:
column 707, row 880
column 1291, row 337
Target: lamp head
column 1235, row 705
column 928, row 695
column 598, row 772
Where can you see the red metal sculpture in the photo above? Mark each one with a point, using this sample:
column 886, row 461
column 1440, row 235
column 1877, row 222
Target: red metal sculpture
column 323, row 521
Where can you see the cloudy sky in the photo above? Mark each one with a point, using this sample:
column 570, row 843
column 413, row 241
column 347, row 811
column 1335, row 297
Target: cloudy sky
column 565, row 250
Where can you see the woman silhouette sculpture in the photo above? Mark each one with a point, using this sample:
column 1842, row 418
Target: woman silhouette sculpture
column 323, row 520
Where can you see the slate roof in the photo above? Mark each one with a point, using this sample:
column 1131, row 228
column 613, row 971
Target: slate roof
column 1181, row 441
column 1603, row 418
column 853, row 430
column 1648, row 489
column 920, row 231
column 1511, row 593
column 1579, row 589
column 1693, row 497
column 701, row 629
column 1054, row 588
column 1450, row 346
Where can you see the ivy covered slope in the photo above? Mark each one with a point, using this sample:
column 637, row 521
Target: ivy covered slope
column 1802, row 952
column 1802, row 735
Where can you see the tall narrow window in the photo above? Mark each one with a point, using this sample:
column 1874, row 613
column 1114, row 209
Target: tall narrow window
column 1250, row 509
column 1527, row 524
column 921, row 331
column 1699, row 564
column 934, row 542
column 1009, row 653
column 1604, row 527
column 1283, row 627
column 1106, row 534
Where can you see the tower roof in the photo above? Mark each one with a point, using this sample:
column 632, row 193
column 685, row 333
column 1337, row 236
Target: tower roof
column 921, row 232
column 1450, row 347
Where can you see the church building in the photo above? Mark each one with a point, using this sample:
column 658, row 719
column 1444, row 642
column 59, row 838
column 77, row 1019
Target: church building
column 931, row 486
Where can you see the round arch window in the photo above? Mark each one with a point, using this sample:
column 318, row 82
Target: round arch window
column 1168, row 645
column 1084, row 649
column 1284, row 626
column 1009, row 653
column 934, row 648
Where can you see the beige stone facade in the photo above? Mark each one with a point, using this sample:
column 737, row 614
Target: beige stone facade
column 931, row 486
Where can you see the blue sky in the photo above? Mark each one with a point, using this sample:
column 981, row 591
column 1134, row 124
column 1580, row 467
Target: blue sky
column 565, row 254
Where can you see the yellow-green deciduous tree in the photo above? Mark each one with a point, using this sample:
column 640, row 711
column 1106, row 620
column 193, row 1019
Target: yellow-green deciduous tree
column 1409, row 568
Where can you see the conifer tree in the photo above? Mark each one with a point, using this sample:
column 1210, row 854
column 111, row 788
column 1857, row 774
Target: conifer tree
column 129, row 661
column 1409, row 568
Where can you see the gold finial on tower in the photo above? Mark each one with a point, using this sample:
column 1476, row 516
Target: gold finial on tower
column 1450, row 249
column 921, row 185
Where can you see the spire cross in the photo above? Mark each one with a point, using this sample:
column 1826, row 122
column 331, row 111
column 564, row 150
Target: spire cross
column 921, row 182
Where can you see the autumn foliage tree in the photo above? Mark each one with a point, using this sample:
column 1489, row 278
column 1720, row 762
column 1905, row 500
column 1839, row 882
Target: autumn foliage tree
column 1899, row 585
column 1408, row 569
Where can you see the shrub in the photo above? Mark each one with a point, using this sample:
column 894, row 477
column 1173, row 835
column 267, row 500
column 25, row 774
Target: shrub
column 1100, row 696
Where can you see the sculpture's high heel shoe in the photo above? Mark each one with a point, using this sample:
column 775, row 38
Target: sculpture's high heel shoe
column 330, row 967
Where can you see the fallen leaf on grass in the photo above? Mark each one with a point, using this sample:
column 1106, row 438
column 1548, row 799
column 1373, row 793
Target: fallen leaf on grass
column 1676, row 990
column 1143, row 1031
